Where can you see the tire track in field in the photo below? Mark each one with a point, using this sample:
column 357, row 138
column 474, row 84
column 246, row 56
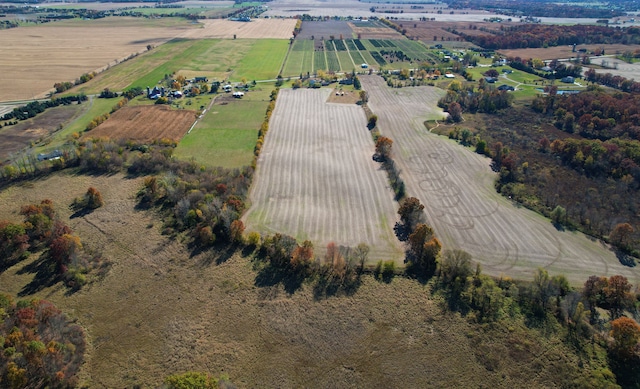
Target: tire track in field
column 316, row 179
column 456, row 187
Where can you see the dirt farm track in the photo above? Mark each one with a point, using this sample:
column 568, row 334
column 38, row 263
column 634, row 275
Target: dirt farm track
column 316, row 178
column 456, row 186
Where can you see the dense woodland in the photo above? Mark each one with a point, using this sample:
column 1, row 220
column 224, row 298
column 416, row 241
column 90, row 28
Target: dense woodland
column 537, row 35
column 39, row 345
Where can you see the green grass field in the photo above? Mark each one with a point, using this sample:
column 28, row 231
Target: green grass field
column 346, row 63
column 319, row 61
column 227, row 134
column 140, row 71
column 296, row 58
column 212, row 58
column 262, row 61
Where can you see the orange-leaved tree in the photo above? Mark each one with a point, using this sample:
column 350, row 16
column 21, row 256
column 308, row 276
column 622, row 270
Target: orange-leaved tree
column 626, row 334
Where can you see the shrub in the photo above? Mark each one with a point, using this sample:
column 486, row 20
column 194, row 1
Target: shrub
column 93, row 198
column 253, row 239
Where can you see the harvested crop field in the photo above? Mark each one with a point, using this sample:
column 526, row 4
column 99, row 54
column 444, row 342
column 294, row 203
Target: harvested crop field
column 456, row 186
column 374, row 30
column 255, row 29
column 145, row 123
column 34, row 58
column 20, row 136
column 564, row 52
column 316, row 178
column 324, row 29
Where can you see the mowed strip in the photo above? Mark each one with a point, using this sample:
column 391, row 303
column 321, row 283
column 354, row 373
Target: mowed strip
column 316, row 179
column 457, row 188
column 145, row 123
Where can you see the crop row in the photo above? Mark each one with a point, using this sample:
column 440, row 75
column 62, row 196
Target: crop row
column 378, row 58
column 359, row 44
column 328, row 46
column 340, row 45
column 332, row 61
column 319, row 62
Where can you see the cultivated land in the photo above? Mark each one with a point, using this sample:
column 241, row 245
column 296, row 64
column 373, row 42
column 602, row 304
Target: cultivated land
column 34, row 58
column 316, row 179
column 217, row 59
column 145, row 124
column 257, row 28
column 457, row 188
column 374, row 30
column 324, row 29
column 16, row 138
column 566, row 52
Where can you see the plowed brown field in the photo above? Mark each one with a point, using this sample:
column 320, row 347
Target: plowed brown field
column 316, row 178
column 381, row 32
column 255, row 29
column 456, row 186
column 145, row 123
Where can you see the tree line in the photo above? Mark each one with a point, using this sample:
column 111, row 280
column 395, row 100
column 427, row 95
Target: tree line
column 35, row 107
column 539, row 35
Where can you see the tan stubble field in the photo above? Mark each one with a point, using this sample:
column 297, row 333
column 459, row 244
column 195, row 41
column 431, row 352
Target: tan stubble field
column 456, row 186
column 34, row 58
column 316, row 178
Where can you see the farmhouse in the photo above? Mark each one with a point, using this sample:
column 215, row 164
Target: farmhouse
column 56, row 154
column 506, row 87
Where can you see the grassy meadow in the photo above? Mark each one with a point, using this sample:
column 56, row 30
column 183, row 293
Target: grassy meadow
column 227, row 134
column 262, row 61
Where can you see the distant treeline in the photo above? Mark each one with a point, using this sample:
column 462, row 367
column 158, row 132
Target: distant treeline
column 35, row 107
column 538, row 8
column 536, row 35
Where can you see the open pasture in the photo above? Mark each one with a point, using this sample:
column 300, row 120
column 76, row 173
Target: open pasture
column 316, row 179
column 457, row 187
column 161, row 309
column 145, row 123
column 33, row 58
column 255, row 29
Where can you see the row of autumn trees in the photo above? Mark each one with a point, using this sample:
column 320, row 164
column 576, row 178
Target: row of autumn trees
column 40, row 347
column 542, row 35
